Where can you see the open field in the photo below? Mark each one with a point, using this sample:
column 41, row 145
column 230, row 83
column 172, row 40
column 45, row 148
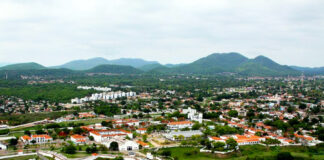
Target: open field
column 22, row 158
column 253, row 152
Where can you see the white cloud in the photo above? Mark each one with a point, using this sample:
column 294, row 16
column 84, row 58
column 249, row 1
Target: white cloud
column 170, row 31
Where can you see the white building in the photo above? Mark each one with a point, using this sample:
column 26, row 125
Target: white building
column 141, row 130
column 180, row 125
column 193, row 114
column 103, row 96
column 103, row 135
column 38, row 139
column 78, row 139
column 123, row 145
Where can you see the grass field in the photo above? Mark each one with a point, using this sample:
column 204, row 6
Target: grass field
column 252, row 152
column 85, row 121
column 22, row 158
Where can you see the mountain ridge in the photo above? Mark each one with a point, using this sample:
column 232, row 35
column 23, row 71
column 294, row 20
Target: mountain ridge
column 87, row 64
column 215, row 63
column 23, row 66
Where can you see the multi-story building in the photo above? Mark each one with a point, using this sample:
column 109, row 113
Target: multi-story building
column 102, row 135
column 37, row 139
column 180, row 125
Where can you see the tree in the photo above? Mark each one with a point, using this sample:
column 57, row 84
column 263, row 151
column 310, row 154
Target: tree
column 113, row 146
column 302, row 106
column 231, row 143
column 144, row 137
column 33, row 141
column 4, row 131
column 250, row 113
column 284, row 156
column 107, row 124
column 77, row 130
column 119, row 158
column 166, row 153
column 233, row 113
column 219, row 145
column 69, row 149
column 290, row 109
column 40, row 131
column 13, row 141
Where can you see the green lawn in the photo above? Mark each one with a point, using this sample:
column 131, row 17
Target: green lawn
column 22, row 158
column 253, row 152
column 85, row 121
column 77, row 155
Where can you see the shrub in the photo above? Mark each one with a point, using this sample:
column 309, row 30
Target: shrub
column 284, row 156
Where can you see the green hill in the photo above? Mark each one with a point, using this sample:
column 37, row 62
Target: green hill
column 263, row 66
column 23, row 66
column 232, row 62
column 309, row 70
column 115, row 69
column 150, row 67
column 93, row 62
column 83, row 64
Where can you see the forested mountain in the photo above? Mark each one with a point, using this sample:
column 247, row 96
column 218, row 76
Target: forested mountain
column 83, row 64
column 264, row 66
column 134, row 62
column 217, row 63
column 234, row 63
column 114, row 69
column 90, row 63
column 4, row 64
column 23, row 66
column 150, row 67
column 54, row 73
column 309, row 70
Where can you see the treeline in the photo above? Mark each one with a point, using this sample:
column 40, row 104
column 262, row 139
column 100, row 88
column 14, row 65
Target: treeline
column 107, row 109
column 49, row 92
column 30, row 117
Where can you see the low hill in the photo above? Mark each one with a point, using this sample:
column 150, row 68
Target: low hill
column 150, row 67
column 83, row 64
column 134, row 62
column 114, row 69
column 49, row 73
column 23, row 66
column 90, row 63
column 310, row 70
column 263, row 66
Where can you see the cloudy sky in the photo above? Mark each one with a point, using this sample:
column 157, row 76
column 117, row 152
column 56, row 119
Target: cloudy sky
column 170, row 31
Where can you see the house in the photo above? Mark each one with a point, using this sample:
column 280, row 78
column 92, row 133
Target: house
column 102, row 135
column 141, row 130
column 180, row 125
column 306, row 140
column 143, row 144
column 217, row 139
column 37, row 139
column 240, row 139
column 86, row 115
column 247, row 139
column 78, row 139
column 125, row 122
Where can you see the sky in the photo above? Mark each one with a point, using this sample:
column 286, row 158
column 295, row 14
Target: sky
column 53, row 32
